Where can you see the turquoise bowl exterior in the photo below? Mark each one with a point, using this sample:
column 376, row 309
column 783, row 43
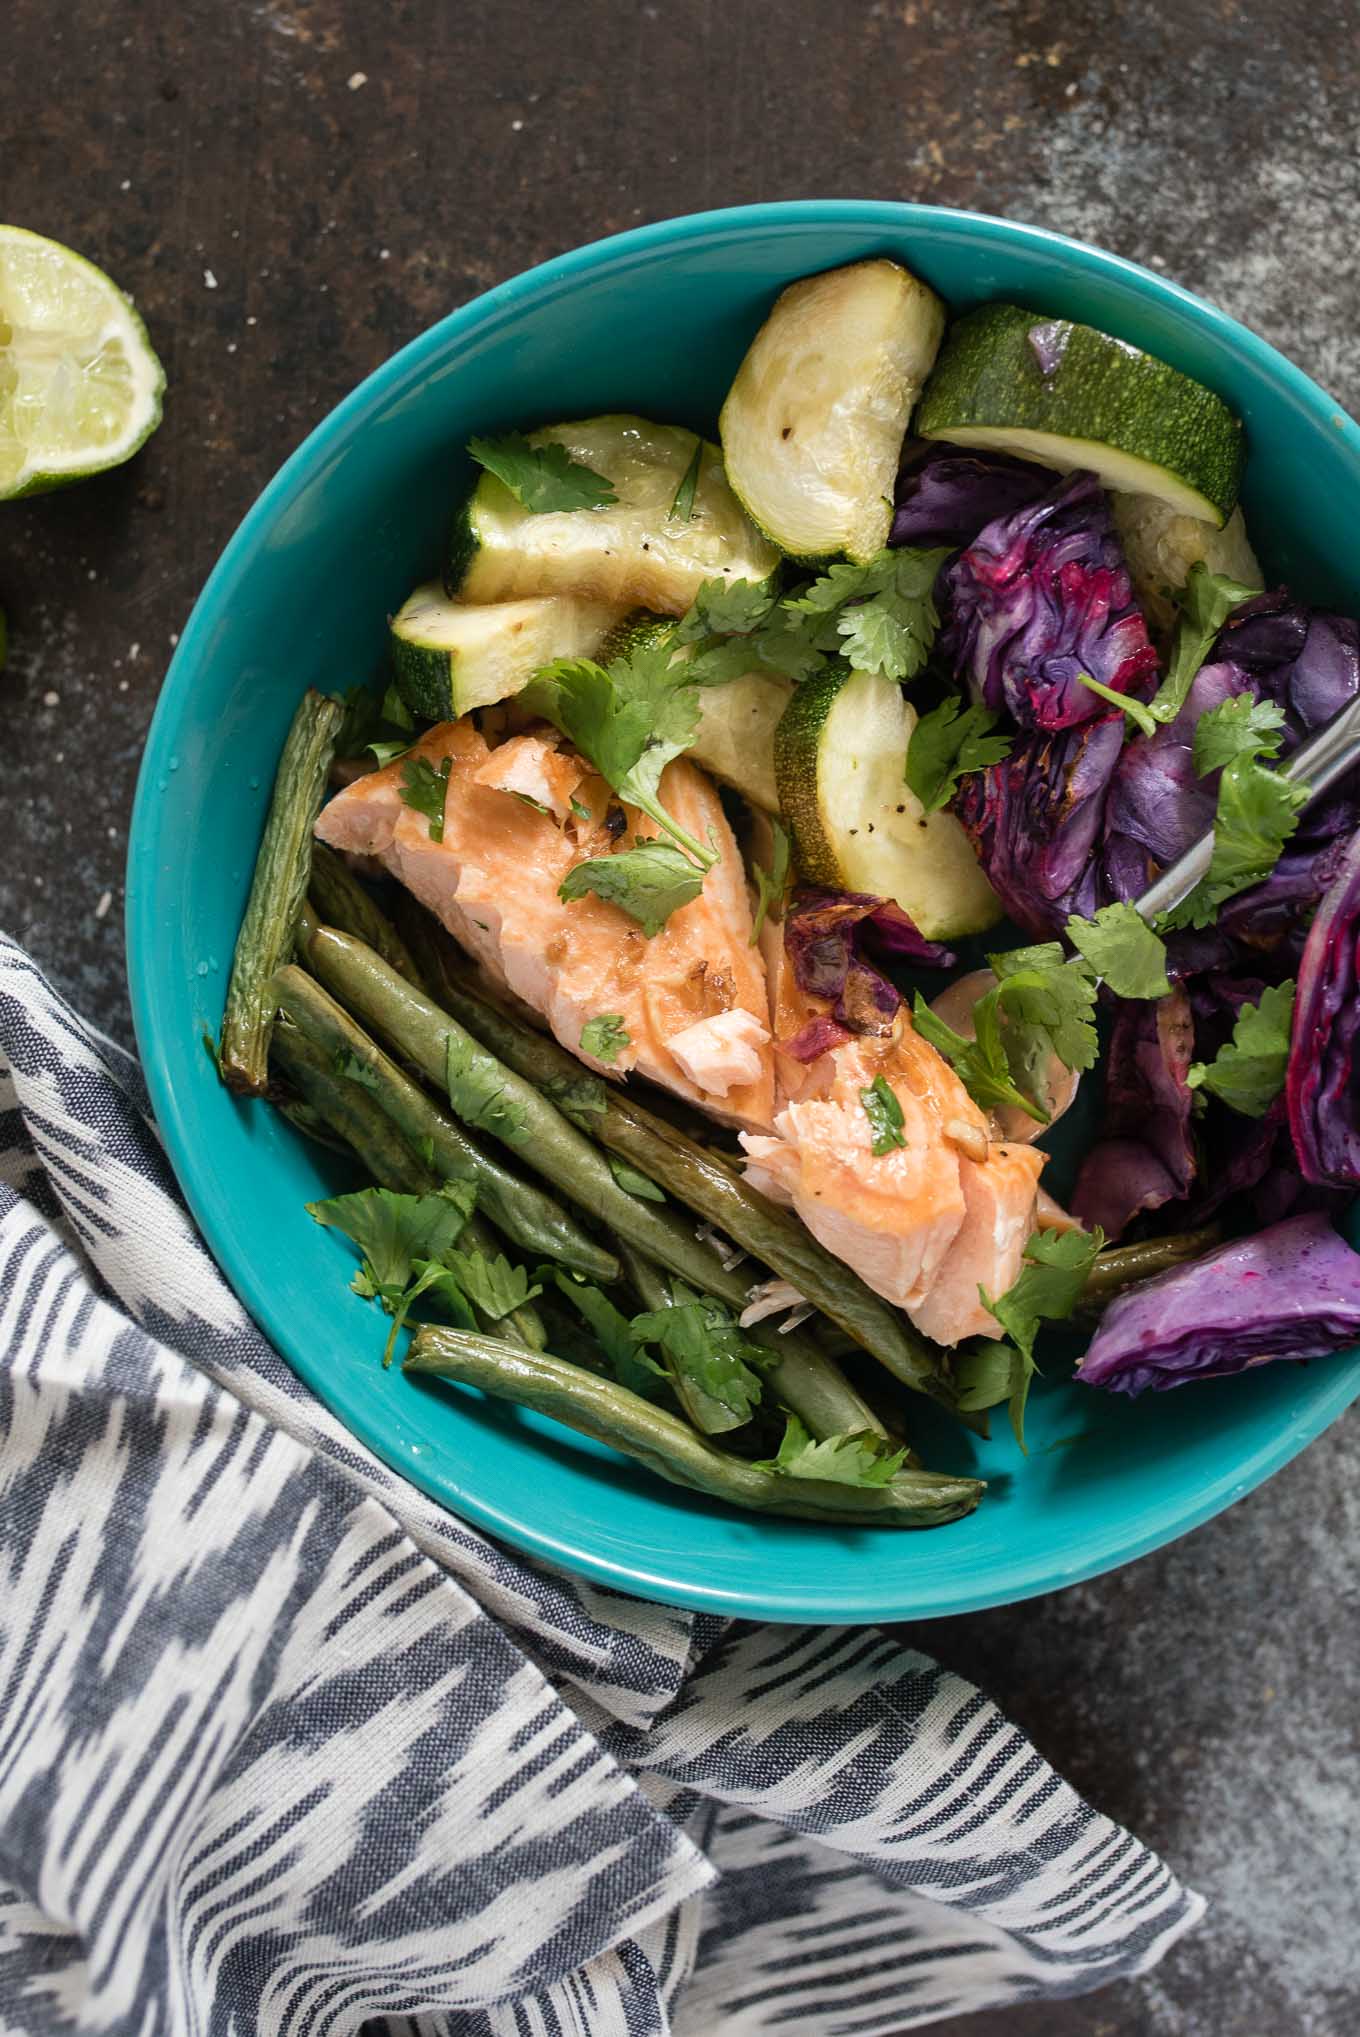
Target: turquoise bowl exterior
column 654, row 320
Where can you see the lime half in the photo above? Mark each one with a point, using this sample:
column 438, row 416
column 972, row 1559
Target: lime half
column 80, row 387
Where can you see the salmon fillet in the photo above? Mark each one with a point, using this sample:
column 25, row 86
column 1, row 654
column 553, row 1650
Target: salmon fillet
column 692, row 999
column 925, row 1223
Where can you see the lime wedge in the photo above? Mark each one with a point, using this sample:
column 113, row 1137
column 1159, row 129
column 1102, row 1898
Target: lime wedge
column 80, row 388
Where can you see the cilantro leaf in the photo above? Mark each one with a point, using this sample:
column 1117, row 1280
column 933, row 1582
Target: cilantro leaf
column 476, row 1084
column 1257, row 812
column 633, row 1183
column 371, row 715
column 1047, row 1289
column 884, row 611
column 860, row 1459
column 605, row 1036
column 726, row 608
column 631, row 1366
column 541, row 478
column 1239, row 727
column 578, row 1097
column 1207, row 600
column 1123, row 949
column 884, row 1113
column 1048, row 1286
column 772, row 886
column 1136, row 710
column 709, row 1360
column 984, row 1375
column 648, row 882
column 717, row 661
column 424, row 789
column 490, row 1282
column 683, row 504
column 1248, row 1072
column 948, row 742
column 432, row 1277
column 981, row 1064
column 1048, row 1002
column 392, row 1231
column 348, row 1064
column 629, row 719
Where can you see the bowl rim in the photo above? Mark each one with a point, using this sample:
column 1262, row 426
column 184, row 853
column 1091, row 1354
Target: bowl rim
column 408, row 365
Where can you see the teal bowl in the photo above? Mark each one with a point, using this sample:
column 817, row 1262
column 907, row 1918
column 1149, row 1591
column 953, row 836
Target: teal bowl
column 655, row 321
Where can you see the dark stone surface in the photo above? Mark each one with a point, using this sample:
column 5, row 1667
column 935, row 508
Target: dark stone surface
column 292, row 191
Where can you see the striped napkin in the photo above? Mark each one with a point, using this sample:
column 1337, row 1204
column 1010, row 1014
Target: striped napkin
column 285, row 1748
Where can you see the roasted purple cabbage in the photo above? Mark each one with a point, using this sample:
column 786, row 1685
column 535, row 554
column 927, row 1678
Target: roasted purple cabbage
column 1035, row 821
column 830, row 938
column 1041, row 597
column 1321, row 1086
column 945, row 494
column 1276, row 650
column 1145, row 1155
column 1292, row 1291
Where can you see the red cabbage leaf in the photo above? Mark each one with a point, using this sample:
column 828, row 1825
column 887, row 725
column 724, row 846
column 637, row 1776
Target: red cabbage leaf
column 1292, row 1291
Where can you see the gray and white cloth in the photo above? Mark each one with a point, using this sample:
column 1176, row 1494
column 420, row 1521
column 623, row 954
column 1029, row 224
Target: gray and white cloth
column 288, row 1751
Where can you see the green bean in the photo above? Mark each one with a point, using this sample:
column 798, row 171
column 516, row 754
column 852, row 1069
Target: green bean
column 801, row 1378
column 665, row 1444
column 516, row 1113
column 1122, row 1266
column 347, row 1108
column 527, row 1216
column 277, row 891
column 694, row 1175
column 340, row 900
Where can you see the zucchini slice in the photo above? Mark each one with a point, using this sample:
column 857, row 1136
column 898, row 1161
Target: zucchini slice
column 1161, row 545
column 630, row 553
column 734, row 741
column 448, row 658
column 1068, row 397
column 813, row 425
column 840, row 751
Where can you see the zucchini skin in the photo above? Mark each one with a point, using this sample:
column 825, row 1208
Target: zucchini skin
column 424, row 679
column 1101, row 390
column 796, row 742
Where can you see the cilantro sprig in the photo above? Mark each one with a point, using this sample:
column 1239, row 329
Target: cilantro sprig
column 1248, row 1072
column 620, row 1348
column 604, row 1037
column 424, row 789
column 1042, row 1005
column 713, row 1366
column 404, row 1242
column 541, row 478
column 1206, row 602
column 879, row 617
column 946, row 744
column 648, row 882
column 1047, row 1289
column 861, row 1458
column 1257, row 813
column 982, row 1063
column 884, row 1113
column 1123, row 949
column 1239, row 727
